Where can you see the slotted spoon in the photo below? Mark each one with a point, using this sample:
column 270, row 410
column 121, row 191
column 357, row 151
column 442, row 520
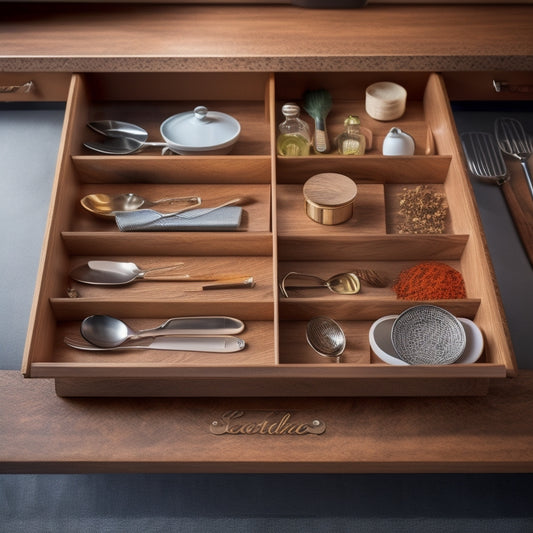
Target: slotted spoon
column 514, row 141
column 485, row 162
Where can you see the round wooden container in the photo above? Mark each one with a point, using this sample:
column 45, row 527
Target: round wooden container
column 329, row 198
column 385, row 100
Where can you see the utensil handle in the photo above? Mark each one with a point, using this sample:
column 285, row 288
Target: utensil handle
column 218, row 344
column 283, row 288
column 150, row 271
column 529, row 179
column 196, row 200
column 202, row 325
column 300, row 287
column 155, row 143
column 246, row 283
column 321, row 140
column 195, row 277
column 520, row 219
column 204, row 212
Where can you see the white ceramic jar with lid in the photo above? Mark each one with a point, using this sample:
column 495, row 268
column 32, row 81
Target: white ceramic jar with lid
column 398, row 142
column 201, row 132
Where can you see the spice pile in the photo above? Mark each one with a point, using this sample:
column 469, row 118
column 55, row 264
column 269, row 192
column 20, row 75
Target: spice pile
column 423, row 211
column 430, row 281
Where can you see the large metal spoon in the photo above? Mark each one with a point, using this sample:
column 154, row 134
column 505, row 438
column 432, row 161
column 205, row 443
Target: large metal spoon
column 114, row 272
column 98, row 272
column 326, row 337
column 117, row 128
column 105, row 205
column 108, row 332
column 345, row 283
column 121, row 145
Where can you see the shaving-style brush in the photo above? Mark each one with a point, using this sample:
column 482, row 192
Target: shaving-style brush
column 317, row 104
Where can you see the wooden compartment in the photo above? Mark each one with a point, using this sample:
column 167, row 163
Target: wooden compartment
column 373, row 238
column 275, row 237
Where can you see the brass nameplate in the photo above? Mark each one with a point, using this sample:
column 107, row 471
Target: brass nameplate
column 265, row 423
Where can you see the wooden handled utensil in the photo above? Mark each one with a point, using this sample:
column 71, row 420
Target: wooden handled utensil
column 485, row 162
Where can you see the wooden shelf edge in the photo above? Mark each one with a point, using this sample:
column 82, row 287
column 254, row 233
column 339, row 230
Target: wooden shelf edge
column 97, row 434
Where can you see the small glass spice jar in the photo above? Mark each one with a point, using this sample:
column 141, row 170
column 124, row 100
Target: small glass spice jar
column 351, row 141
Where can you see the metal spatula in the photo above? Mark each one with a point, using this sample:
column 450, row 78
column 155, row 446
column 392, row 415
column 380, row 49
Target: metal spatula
column 485, row 161
column 513, row 141
column 484, row 158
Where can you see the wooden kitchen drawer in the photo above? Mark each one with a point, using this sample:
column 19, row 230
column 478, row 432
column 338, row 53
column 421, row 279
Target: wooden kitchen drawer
column 276, row 237
column 34, row 86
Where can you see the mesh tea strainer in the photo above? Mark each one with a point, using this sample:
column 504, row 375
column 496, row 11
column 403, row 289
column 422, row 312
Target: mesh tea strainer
column 428, row 335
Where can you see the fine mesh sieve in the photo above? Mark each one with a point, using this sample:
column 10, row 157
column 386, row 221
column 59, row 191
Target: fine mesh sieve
column 428, row 335
column 326, row 337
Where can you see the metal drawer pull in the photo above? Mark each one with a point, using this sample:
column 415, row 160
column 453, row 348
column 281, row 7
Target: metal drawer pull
column 24, row 88
column 500, row 86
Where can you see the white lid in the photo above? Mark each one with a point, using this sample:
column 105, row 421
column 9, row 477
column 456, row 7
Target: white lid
column 200, row 129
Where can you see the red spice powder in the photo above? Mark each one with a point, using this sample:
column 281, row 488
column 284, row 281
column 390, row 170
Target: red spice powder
column 430, row 281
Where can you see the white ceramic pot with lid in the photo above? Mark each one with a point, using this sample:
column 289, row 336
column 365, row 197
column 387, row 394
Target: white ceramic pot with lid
column 398, row 142
column 201, row 132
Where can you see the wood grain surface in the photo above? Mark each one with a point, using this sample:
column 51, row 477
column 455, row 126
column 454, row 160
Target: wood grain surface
column 166, row 37
column 42, row 432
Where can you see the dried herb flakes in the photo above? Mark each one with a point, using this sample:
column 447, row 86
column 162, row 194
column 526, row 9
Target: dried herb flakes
column 423, row 210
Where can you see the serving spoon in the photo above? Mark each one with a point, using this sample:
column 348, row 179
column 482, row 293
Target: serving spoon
column 98, row 272
column 513, row 140
column 106, row 205
column 345, row 283
column 117, row 128
column 106, row 331
column 121, row 145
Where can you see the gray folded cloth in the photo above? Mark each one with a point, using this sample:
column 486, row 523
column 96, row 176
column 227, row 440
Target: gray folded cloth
column 222, row 219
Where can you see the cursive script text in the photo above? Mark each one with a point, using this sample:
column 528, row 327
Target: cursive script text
column 241, row 423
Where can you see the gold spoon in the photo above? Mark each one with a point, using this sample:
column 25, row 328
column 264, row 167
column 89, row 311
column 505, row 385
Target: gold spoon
column 345, row 283
column 106, row 206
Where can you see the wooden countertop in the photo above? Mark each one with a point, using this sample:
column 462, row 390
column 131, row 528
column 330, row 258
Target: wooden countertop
column 476, row 434
column 99, row 37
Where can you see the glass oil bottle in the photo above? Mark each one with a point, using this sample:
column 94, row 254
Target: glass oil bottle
column 351, row 141
column 294, row 137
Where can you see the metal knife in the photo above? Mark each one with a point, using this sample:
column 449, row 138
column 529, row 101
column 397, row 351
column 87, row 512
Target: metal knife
column 215, row 344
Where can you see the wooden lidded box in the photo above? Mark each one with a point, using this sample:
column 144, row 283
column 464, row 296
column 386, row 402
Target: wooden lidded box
column 276, row 237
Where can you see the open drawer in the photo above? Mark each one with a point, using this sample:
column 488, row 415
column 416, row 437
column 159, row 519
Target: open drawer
column 275, row 237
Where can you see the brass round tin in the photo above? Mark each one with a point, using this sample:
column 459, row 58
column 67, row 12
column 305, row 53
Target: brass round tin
column 329, row 198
